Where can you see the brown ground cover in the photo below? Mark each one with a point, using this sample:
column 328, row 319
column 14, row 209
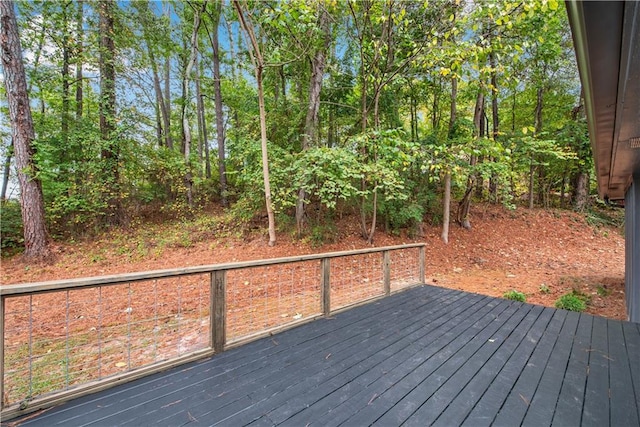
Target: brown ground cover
column 542, row 253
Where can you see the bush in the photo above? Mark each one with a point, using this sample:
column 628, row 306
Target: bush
column 11, row 236
column 571, row 302
column 515, row 296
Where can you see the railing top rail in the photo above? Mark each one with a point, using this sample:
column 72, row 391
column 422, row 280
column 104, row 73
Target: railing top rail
column 87, row 282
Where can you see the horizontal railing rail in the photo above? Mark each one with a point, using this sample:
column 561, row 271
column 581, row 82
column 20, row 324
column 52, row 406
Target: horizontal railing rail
column 65, row 338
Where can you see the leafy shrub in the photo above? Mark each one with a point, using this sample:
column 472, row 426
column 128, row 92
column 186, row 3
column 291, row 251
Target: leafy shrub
column 571, row 302
column 11, row 236
column 515, row 296
column 325, row 233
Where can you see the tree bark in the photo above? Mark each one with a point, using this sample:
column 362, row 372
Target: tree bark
column 167, row 93
column 465, row 204
column 66, row 37
column 202, row 122
column 311, row 122
column 6, row 172
column 162, row 125
column 79, row 59
column 217, row 90
column 446, row 202
column 110, row 148
column 188, row 179
column 31, row 198
column 258, row 61
column 581, row 197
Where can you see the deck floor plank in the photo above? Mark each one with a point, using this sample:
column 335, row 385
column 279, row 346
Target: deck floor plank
column 623, row 401
column 376, row 382
column 571, row 398
column 424, row 356
column 543, row 403
column 322, row 363
column 595, row 411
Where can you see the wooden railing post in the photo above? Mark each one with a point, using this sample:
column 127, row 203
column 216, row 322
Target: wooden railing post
column 2, row 370
column 218, row 310
column 386, row 272
column 421, row 264
column 325, row 285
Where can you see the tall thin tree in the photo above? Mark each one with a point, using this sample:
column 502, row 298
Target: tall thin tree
column 258, row 64
column 31, row 198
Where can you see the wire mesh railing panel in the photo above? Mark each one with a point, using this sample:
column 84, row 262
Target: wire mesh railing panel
column 54, row 341
column 355, row 278
column 261, row 298
column 405, row 268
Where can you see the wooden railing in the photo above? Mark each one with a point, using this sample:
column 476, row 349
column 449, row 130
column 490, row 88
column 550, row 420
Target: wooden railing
column 66, row 338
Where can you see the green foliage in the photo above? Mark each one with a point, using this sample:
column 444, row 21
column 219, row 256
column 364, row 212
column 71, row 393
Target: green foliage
column 328, row 174
column 603, row 291
column 571, row 302
column 403, row 75
column 515, row 296
column 544, row 289
column 10, row 226
column 324, row 233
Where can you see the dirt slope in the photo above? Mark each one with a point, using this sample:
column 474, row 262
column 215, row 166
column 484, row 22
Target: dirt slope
column 542, row 253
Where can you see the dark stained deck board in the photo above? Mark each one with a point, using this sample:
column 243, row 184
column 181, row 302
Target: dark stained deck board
column 376, row 382
column 543, row 403
column 571, row 398
column 624, row 410
column 514, row 407
column 313, row 387
column 396, row 366
column 328, row 363
column 631, row 333
column 519, row 399
column 596, row 409
column 425, row 411
column 423, row 356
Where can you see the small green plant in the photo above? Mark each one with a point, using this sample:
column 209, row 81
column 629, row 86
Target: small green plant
column 544, row 289
column 571, row 302
column 515, row 296
column 602, row 291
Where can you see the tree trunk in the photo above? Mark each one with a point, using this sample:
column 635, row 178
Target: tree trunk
column 220, row 135
column 162, row 115
column 6, row 172
column 532, row 171
column 258, row 61
column 31, row 199
column 581, row 197
column 309, row 136
column 110, row 147
column 493, row 185
column 79, row 58
column 537, row 121
column 188, row 179
column 446, row 202
column 446, row 210
column 464, row 206
column 167, row 93
column 202, row 122
column 64, row 116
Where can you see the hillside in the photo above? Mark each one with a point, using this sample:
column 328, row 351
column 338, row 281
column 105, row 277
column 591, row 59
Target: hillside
column 542, row 253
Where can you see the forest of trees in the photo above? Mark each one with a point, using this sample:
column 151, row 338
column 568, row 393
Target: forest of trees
column 295, row 113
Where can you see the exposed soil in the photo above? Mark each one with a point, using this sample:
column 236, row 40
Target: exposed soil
column 542, row 253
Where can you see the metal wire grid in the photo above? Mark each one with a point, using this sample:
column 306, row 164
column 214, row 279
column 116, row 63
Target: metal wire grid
column 57, row 340
column 405, row 268
column 260, row 298
column 355, row 278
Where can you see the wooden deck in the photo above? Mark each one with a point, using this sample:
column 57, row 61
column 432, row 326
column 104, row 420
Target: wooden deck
column 424, row 356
